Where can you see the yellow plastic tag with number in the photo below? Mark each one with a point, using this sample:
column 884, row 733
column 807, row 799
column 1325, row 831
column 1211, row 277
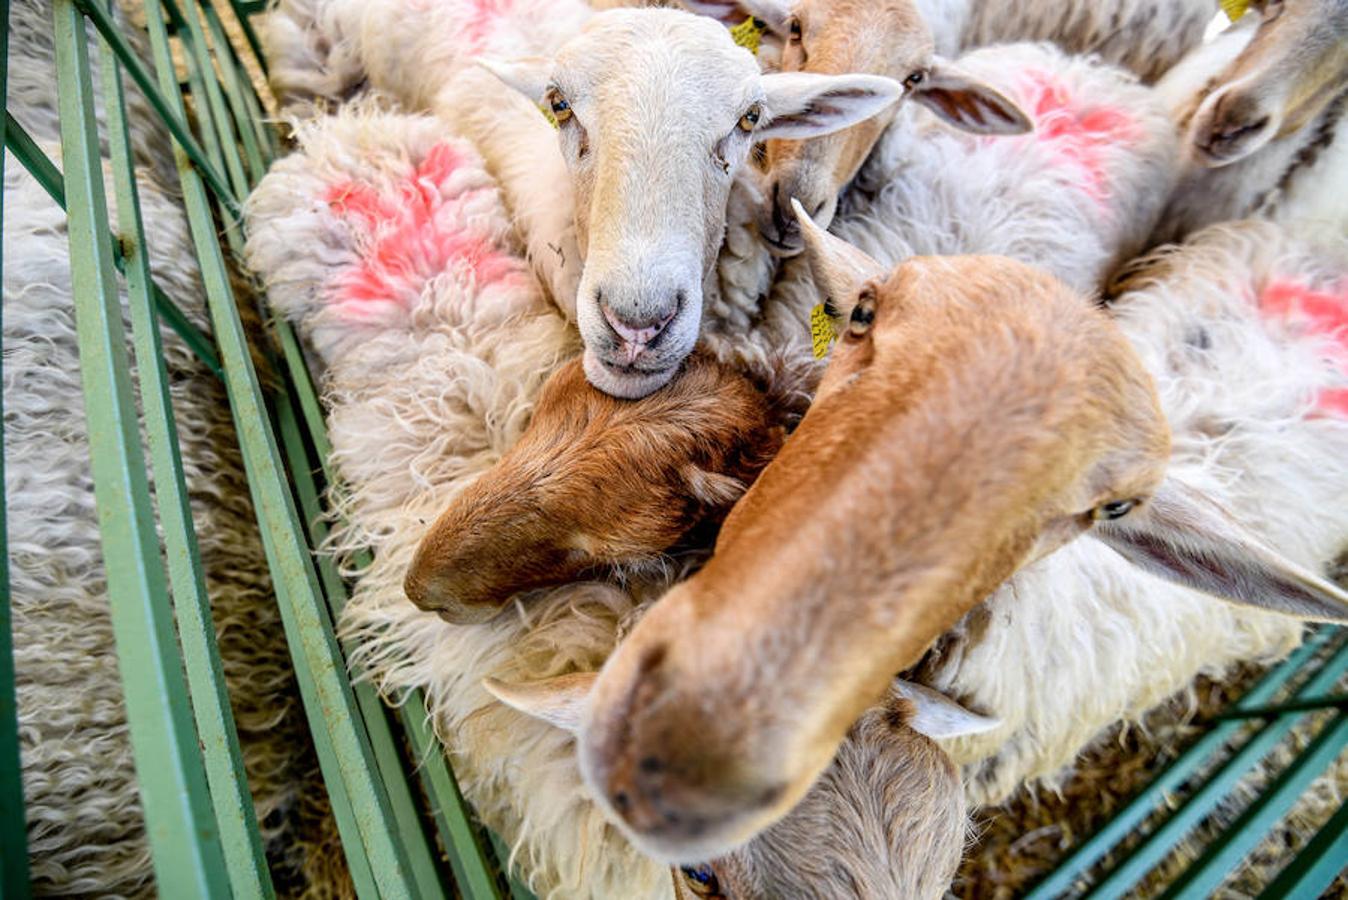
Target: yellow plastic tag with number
column 749, row 34
column 547, row 114
column 822, row 331
column 1234, row 9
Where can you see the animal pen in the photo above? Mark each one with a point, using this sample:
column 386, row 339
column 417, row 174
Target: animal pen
column 405, row 829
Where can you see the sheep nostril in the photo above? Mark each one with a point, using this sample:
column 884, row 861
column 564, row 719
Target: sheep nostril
column 651, row 765
column 640, row 332
column 621, row 802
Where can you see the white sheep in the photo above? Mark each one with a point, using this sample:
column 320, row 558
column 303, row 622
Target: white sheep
column 1263, row 110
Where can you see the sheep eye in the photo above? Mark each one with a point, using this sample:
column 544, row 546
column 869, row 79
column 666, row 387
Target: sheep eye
column 793, row 27
column 1115, row 509
column 561, row 109
column 863, row 314
column 749, row 120
column 915, row 79
column 702, row 880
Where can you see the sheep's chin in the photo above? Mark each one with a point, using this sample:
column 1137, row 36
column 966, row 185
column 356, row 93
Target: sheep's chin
column 624, row 385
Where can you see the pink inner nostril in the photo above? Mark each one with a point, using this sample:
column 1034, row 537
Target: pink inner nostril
column 636, row 337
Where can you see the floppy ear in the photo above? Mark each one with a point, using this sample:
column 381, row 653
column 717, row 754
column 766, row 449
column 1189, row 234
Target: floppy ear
column 1185, row 537
column 729, row 12
column 527, row 74
column 803, row 104
column 937, row 716
column 969, row 104
column 558, row 701
column 839, row 269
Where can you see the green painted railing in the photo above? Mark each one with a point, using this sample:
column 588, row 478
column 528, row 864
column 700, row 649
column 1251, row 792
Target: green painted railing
column 403, row 834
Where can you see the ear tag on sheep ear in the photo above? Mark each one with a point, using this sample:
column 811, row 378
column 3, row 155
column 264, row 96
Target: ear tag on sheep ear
column 547, row 114
column 1234, row 9
column 749, row 34
column 823, row 331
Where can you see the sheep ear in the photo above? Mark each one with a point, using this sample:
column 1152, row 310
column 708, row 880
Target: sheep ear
column 969, row 104
column 803, row 104
column 1182, row 535
column 558, row 701
column 937, row 716
column 839, row 269
column 732, row 12
column 530, row 75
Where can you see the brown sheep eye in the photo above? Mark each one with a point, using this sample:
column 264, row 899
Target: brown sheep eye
column 561, row 109
column 1115, row 509
column 863, row 314
column 701, row 880
column 749, row 120
column 915, row 79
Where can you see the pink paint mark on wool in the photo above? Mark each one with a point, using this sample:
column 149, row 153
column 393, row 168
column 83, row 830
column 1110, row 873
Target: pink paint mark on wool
column 412, row 234
column 482, row 15
column 1078, row 132
column 1315, row 311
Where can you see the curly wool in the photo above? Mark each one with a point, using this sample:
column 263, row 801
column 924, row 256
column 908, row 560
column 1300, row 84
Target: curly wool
column 86, row 834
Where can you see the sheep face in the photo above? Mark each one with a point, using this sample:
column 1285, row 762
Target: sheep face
column 975, row 416
column 885, row 820
column 889, row 39
column 1293, row 67
column 657, row 110
column 595, row 483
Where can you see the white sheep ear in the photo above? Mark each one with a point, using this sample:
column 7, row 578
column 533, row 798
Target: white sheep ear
column 1182, row 535
column 732, row 12
column 839, row 269
column 774, row 13
column 530, row 75
column 969, row 104
column 937, row 716
column 558, row 701
column 804, row 105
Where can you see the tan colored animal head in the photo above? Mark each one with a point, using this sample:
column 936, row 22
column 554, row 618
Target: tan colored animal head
column 975, row 415
column 886, row 38
column 885, row 820
column 596, row 483
column 1296, row 63
column 657, row 110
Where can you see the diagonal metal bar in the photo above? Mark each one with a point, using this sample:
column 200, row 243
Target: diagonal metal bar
column 1201, row 880
column 243, row 11
column 1317, row 865
column 206, row 89
column 1127, row 819
column 13, row 829
column 181, row 829
column 171, row 116
column 333, row 716
column 234, row 815
column 1277, row 709
column 41, row 168
column 234, row 90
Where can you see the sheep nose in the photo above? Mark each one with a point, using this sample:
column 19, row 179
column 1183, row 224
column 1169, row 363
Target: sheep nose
column 636, row 332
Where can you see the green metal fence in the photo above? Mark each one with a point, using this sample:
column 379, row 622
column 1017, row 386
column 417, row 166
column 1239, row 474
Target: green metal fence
column 398, row 808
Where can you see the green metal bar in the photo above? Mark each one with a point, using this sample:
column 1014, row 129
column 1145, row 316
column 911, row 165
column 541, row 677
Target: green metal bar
column 194, row 42
column 1130, row 816
column 229, row 72
column 161, row 102
column 1317, row 865
column 518, row 891
column 1265, row 712
column 421, row 854
column 49, row 177
column 1201, row 802
column 243, row 10
column 13, row 828
column 320, row 669
column 240, row 839
column 1200, row 880
column 187, row 857
column 271, row 143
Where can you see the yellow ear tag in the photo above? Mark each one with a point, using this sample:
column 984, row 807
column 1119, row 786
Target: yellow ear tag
column 1234, row 9
column 749, row 34
column 822, row 331
column 547, row 114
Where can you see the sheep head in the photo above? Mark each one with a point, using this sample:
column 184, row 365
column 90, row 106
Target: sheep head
column 596, row 483
column 886, row 819
column 656, row 111
column 1293, row 67
column 976, row 415
column 889, row 39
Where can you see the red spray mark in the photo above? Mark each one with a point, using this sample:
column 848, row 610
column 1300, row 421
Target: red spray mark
column 1077, row 132
column 411, row 235
column 1314, row 311
column 482, row 14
